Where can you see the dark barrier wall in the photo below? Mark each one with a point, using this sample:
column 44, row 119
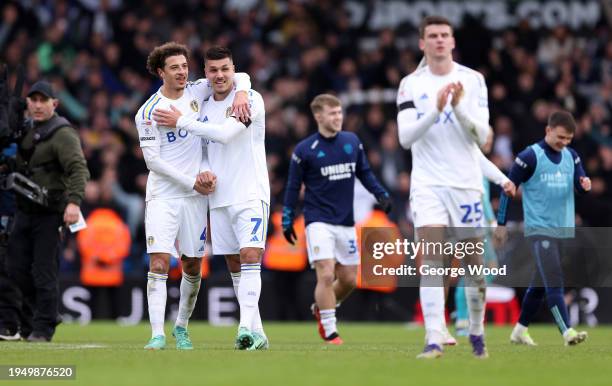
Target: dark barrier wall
column 285, row 296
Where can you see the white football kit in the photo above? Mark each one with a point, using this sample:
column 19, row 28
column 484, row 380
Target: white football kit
column 447, row 170
column 174, row 211
column 239, row 206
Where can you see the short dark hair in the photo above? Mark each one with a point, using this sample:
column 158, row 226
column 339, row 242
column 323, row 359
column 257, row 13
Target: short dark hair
column 217, row 53
column 157, row 57
column 431, row 20
column 564, row 119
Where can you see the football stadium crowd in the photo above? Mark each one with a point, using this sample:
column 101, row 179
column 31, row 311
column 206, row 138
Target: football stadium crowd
column 94, row 53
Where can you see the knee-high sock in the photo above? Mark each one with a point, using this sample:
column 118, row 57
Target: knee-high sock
column 156, row 298
column 249, row 290
column 476, row 307
column 257, row 325
column 556, row 304
column 432, row 304
column 190, row 286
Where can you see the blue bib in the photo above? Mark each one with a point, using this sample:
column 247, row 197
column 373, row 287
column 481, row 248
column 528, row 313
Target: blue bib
column 548, row 196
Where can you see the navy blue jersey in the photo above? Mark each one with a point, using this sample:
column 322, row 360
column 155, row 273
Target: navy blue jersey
column 525, row 166
column 328, row 167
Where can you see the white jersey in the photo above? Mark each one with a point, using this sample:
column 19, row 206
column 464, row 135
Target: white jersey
column 180, row 149
column 445, row 155
column 240, row 165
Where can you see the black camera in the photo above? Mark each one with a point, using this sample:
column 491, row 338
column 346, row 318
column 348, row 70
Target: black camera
column 12, row 108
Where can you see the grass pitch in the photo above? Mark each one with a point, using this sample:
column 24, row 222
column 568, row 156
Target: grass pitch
column 373, row 354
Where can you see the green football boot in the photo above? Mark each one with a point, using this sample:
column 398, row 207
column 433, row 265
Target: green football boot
column 156, row 343
column 182, row 338
column 244, row 339
column 260, row 342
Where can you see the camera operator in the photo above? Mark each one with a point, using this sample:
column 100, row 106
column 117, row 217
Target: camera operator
column 49, row 153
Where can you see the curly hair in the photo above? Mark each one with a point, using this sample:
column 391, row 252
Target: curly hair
column 157, row 57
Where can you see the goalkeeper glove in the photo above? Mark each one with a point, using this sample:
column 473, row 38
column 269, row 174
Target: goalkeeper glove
column 385, row 202
column 288, row 230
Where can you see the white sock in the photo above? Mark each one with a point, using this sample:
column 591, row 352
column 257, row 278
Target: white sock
column 328, row 320
column 256, row 326
column 190, row 286
column 249, row 290
column 156, row 297
column 476, row 308
column 432, row 304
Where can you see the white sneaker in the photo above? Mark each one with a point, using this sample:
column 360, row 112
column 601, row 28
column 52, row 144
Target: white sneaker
column 521, row 336
column 573, row 337
column 6, row 334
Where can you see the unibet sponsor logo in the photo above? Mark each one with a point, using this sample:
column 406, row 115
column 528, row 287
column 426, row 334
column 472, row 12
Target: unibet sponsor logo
column 555, row 180
column 339, row 171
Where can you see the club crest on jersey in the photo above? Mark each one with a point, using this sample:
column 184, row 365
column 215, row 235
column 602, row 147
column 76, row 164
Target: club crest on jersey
column 150, row 240
column 348, row 148
column 228, row 112
column 147, row 131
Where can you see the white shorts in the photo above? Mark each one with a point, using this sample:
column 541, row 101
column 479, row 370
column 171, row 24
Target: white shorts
column 239, row 226
column 452, row 207
column 176, row 224
column 327, row 241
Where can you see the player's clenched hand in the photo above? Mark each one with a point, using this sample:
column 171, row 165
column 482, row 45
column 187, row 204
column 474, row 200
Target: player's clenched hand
column 442, row 97
column 457, row 92
column 240, row 106
column 585, row 182
column 167, row 118
column 509, row 188
column 206, row 182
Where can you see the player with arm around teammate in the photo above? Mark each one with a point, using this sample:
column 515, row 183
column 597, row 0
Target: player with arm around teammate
column 178, row 181
column 239, row 207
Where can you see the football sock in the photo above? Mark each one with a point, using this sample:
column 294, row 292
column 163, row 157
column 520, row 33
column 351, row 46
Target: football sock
column 476, row 308
column 249, row 289
column 190, row 286
column 531, row 304
column 156, row 298
column 257, row 325
column 556, row 303
column 328, row 320
column 432, row 304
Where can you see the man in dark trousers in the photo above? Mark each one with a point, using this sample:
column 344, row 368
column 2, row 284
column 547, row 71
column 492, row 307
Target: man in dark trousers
column 49, row 153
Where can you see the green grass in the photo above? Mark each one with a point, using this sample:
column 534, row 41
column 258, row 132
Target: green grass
column 373, row 354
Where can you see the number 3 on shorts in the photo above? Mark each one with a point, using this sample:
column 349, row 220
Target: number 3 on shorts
column 352, row 247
